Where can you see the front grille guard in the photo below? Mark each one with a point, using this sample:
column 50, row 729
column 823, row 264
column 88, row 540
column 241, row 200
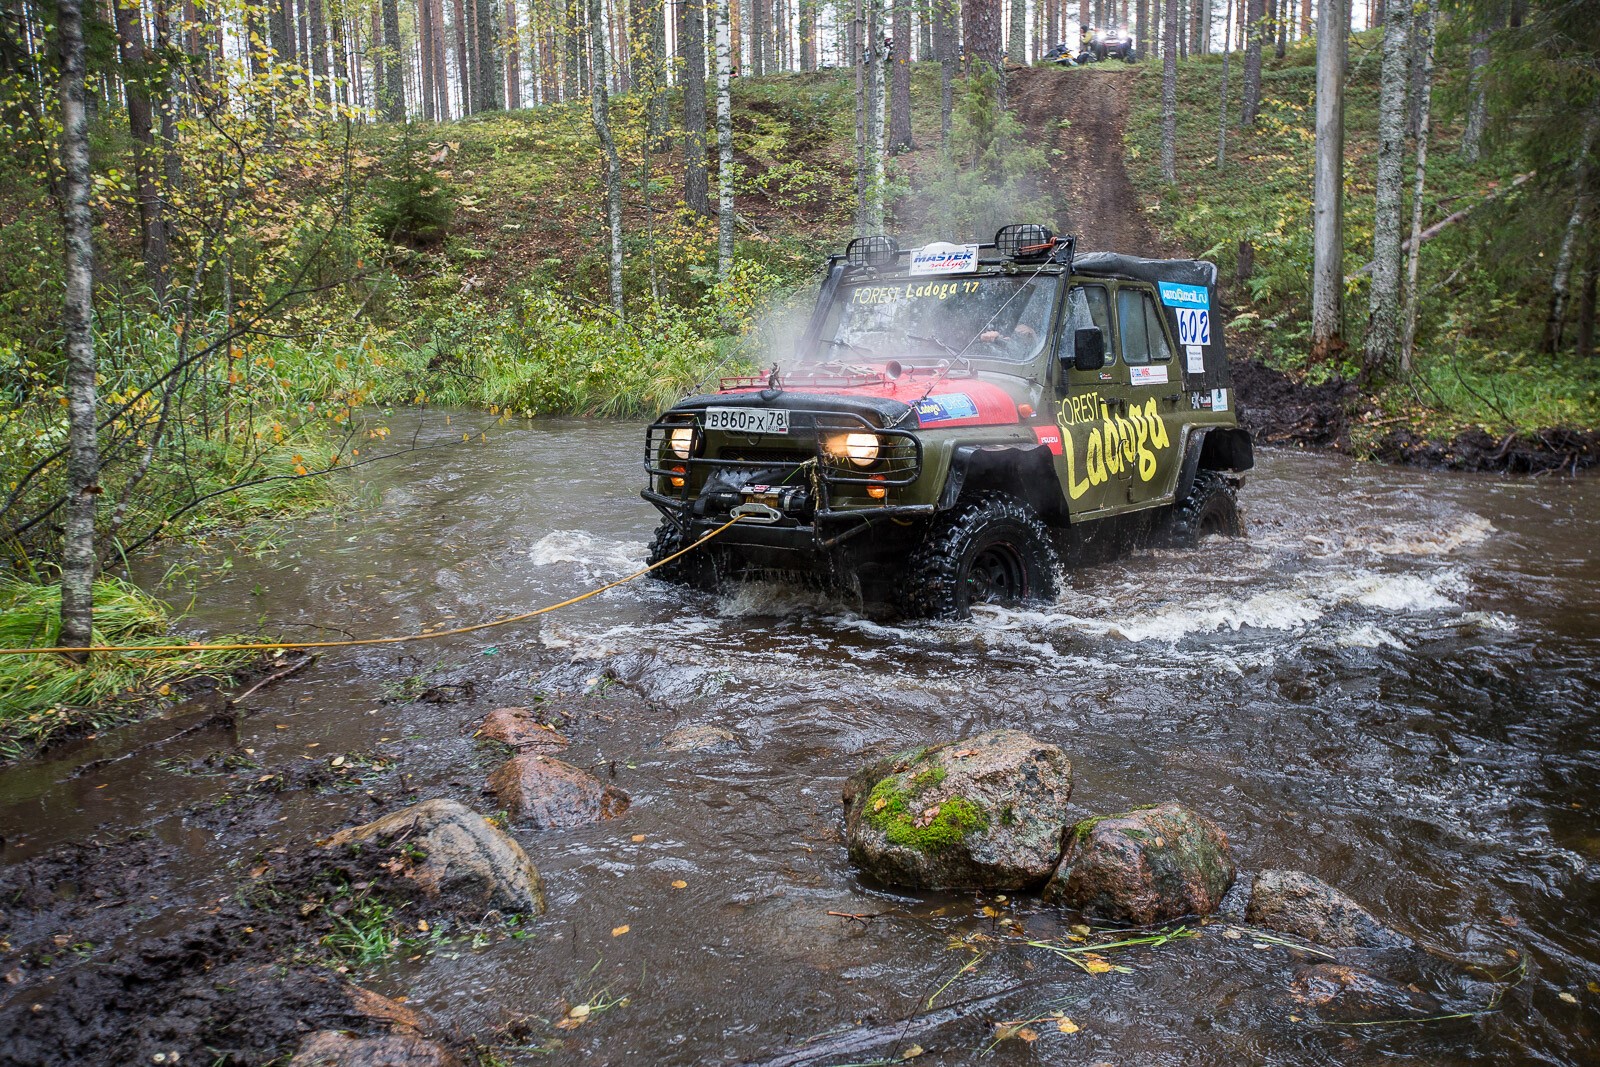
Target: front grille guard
column 899, row 454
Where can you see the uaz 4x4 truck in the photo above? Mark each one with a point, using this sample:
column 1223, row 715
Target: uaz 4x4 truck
column 958, row 417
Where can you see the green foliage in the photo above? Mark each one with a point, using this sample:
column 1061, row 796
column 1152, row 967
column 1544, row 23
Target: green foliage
column 411, row 204
column 43, row 697
column 989, row 174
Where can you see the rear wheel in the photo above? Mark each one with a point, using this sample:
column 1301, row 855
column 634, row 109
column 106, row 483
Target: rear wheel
column 1210, row 510
column 698, row 568
column 989, row 549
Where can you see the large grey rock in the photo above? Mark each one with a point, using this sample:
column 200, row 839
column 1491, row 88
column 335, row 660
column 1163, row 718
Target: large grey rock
column 330, row 1048
column 985, row 811
column 465, row 860
column 1297, row 903
column 1143, row 866
column 546, row 793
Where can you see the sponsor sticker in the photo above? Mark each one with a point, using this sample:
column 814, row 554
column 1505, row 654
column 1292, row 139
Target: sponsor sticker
column 941, row 257
column 1195, row 357
column 1200, row 401
column 1219, row 400
column 1050, row 437
column 1148, row 375
column 945, row 407
column 1175, row 295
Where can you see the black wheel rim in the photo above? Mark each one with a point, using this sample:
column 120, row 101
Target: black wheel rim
column 997, row 575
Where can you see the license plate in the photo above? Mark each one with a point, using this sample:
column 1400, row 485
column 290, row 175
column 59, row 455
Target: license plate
column 747, row 420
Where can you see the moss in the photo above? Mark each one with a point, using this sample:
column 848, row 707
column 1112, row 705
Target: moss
column 892, row 808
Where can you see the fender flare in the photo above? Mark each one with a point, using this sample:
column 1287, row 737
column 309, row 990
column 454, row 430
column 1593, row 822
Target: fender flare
column 1225, row 448
column 1025, row 470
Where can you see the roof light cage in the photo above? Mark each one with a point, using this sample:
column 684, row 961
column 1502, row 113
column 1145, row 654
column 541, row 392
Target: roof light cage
column 1024, row 240
column 878, row 250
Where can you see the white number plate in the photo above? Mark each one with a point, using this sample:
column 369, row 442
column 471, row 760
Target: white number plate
column 747, row 420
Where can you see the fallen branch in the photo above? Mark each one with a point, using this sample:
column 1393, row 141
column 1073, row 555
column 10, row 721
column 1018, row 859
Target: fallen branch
column 1448, row 221
column 275, row 676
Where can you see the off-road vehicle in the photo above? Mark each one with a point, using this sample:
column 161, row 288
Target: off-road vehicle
column 957, row 419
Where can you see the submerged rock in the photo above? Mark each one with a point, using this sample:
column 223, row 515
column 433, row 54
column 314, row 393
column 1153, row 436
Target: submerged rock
column 699, row 739
column 1336, row 992
column 546, row 793
column 987, row 811
column 1296, row 903
column 521, row 728
column 1148, row 865
column 465, row 860
column 331, row 1048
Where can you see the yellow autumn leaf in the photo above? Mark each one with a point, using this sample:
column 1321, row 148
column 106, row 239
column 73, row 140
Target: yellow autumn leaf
column 618, row 931
column 680, row 884
column 1066, row 1026
column 1096, row 965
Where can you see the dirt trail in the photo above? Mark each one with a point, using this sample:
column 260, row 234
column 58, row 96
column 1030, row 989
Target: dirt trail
column 1087, row 179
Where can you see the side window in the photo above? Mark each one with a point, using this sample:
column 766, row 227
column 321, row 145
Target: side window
column 1135, row 336
column 1089, row 305
column 1152, row 326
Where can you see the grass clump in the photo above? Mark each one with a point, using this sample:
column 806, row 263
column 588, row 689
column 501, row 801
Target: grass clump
column 44, row 697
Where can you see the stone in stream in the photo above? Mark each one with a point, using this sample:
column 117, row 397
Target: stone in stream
column 521, row 729
column 1338, row 993
column 465, row 860
column 1296, row 903
column 547, row 794
column 1148, row 865
column 987, row 811
column 699, row 738
column 331, row 1048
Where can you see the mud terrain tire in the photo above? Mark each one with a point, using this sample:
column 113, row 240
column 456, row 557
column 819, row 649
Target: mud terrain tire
column 698, row 570
column 988, row 549
column 1212, row 507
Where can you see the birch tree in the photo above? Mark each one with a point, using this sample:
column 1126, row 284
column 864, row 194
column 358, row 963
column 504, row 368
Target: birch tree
column 1251, row 105
column 1169, row 98
column 83, row 457
column 1425, row 28
column 1327, row 230
column 1222, row 103
column 873, row 214
column 599, row 105
column 1383, row 298
column 1561, row 276
column 725, row 219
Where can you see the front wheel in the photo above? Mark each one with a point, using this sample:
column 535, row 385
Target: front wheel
column 989, row 549
column 1210, row 510
column 698, row 569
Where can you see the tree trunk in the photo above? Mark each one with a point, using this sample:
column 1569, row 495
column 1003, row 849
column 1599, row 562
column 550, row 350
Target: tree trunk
column 513, row 58
column 463, row 58
column 808, row 35
column 1327, row 237
column 1477, row 102
column 1222, row 104
column 570, row 72
column 944, row 36
column 725, row 219
column 1425, row 28
column 1252, row 63
column 692, row 45
column 758, row 34
column 1017, row 46
column 393, row 106
column 319, row 49
column 83, row 454
column 653, row 73
column 1588, row 289
column 1169, row 98
column 1282, row 28
column 859, row 51
column 136, row 85
column 1199, row 25
column 1383, row 298
column 875, row 125
column 900, row 90
column 1420, row 42
column 488, row 57
column 599, row 105
column 980, row 28
column 1561, row 276
column 425, row 32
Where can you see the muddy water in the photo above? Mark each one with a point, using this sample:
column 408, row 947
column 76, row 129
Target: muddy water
column 1392, row 684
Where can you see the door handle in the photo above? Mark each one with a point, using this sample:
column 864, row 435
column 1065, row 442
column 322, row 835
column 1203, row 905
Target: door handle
column 1174, row 397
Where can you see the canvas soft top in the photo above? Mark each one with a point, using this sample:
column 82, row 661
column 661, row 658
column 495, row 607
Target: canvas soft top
column 1187, row 290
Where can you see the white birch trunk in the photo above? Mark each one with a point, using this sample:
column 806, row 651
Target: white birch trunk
column 1222, row 106
column 1327, row 231
column 83, row 455
column 875, row 127
column 725, row 219
column 599, row 104
column 1561, row 277
column 1169, row 97
column 1383, row 299
column 1425, row 27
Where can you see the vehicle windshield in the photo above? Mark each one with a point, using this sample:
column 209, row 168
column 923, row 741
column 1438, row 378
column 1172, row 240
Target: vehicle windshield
column 994, row 317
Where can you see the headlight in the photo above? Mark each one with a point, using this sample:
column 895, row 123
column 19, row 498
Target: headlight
column 681, row 441
column 859, row 448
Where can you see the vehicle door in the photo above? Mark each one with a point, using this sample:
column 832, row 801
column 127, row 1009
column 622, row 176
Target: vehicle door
column 1087, row 399
column 1148, row 430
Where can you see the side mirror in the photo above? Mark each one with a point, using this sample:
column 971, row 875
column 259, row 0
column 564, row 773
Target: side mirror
column 1088, row 348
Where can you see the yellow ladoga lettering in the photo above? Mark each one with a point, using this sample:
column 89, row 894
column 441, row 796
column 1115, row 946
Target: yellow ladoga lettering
column 1112, row 444
column 1158, row 427
column 1113, row 449
column 1095, row 457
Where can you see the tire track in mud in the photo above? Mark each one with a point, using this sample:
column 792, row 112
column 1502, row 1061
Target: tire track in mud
column 1087, row 178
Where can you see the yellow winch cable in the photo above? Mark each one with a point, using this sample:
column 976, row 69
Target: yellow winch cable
column 266, row 646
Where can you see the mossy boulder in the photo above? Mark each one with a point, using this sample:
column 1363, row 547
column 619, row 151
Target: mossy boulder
column 1297, row 903
column 1148, row 865
column 986, row 811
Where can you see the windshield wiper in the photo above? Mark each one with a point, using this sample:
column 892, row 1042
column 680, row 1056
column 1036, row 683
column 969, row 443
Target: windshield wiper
column 930, row 340
column 852, row 347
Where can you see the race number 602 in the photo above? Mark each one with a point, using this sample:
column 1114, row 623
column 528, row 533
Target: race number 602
column 1194, row 326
